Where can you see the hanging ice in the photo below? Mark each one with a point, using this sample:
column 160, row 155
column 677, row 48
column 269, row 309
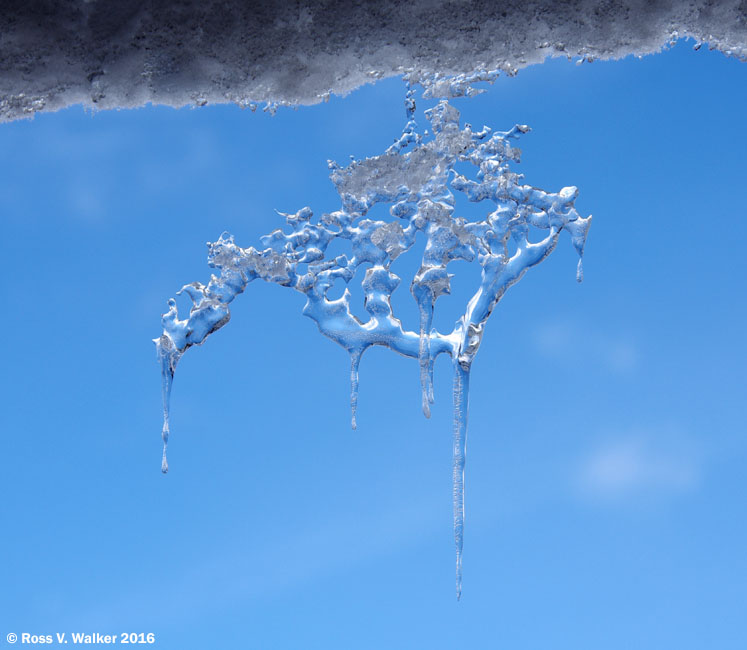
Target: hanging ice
column 416, row 177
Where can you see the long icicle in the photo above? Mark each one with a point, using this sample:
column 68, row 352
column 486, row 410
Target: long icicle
column 169, row 356
column 461, row 408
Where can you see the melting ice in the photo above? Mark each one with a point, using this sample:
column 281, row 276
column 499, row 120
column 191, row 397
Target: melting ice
column 417, row 179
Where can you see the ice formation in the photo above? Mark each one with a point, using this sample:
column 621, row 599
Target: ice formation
column 416, row 177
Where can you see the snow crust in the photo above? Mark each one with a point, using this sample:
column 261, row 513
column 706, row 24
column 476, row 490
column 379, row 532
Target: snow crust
column 126, row 53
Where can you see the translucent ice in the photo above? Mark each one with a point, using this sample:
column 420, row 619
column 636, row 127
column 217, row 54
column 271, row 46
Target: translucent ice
column 417, row 179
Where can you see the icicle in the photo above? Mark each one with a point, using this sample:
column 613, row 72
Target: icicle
column 355, row 360
column 461, row 407
column 169, row 356
column 580, row 270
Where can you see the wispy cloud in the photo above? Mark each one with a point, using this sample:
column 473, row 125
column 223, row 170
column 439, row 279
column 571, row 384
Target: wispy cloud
column 87, row 199
column 261, row 568
column 616, row 351
column 639, row 466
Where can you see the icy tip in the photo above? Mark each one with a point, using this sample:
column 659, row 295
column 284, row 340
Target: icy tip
column 165, row 437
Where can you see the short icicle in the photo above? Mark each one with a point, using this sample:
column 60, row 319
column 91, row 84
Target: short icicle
column 355, row 360
column 461, row 408
column 425, row 359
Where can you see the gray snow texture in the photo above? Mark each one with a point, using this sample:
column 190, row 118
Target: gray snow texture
column 126, row 53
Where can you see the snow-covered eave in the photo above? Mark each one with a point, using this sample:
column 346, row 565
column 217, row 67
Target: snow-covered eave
column 126, row 53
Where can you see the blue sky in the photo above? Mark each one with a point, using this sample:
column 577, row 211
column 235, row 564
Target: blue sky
column 605, row 469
